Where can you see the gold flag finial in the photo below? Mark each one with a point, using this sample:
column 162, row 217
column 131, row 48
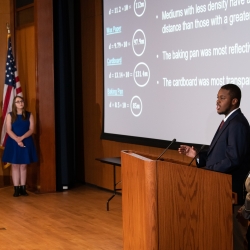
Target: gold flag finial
column 8, row 35
column 8, row 27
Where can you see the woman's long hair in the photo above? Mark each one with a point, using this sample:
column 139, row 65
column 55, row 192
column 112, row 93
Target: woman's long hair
column 14, row 110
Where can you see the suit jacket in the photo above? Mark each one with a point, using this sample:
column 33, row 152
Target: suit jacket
column 229, row 152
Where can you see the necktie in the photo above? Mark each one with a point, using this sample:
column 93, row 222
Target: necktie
column 222, row 122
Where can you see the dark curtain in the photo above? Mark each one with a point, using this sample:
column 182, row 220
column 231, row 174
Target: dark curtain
column 68, row 93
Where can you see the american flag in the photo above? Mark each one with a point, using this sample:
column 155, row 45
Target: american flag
column 12, row 87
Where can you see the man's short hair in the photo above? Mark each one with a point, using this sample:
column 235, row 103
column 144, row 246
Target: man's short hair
column 234, row 91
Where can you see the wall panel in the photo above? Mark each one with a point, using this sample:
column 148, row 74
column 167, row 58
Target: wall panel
column 5, row 178
column 45, row 95
column 25, row 52
column 26, row 65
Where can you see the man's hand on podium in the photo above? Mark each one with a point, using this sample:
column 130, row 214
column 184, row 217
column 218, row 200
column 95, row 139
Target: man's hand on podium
column 187, row 150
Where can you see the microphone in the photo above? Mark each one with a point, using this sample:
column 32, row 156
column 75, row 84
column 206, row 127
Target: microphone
column 197, row 154
column 173, row 141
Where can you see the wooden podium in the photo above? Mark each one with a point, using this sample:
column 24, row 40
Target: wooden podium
column 171, row 206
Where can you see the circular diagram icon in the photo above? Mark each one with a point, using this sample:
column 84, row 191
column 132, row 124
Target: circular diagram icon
column 136, row 106
column 139, row 7
column 139, row 42
column 141, row 74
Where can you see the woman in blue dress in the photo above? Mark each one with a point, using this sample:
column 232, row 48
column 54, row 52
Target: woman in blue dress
column 19, row 149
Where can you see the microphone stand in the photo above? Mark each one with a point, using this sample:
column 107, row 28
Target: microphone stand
column 197, row 154
column 173, row 141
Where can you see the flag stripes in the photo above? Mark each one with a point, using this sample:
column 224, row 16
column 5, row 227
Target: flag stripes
column 12, row 87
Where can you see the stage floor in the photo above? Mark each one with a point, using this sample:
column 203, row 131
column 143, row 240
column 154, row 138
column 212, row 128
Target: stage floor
column 73, row 219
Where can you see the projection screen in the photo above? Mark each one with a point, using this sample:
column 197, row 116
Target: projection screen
column 164, row 62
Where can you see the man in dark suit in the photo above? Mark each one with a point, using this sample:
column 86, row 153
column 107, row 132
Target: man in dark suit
column 229, row 151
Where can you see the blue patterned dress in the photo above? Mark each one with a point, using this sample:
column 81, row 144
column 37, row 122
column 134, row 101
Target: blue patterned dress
column 14, row 153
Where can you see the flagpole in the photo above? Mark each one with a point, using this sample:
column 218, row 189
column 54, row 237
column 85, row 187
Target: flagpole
column 6, row 165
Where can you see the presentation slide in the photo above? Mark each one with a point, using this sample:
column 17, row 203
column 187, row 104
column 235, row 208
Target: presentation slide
column 165, row 61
